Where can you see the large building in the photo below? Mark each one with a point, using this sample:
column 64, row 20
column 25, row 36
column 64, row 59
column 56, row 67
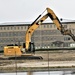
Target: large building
column 46, row 36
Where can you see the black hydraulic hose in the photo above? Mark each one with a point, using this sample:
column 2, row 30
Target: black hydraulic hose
column 36, row 19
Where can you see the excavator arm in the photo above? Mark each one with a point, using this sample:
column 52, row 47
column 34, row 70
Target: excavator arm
column 54, row 18
column 36, row 24
column 58, row 24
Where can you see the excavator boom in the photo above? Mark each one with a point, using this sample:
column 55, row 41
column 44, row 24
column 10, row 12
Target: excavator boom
column 55, row 20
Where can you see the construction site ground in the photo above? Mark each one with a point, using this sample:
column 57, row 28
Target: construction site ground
column 52, row 60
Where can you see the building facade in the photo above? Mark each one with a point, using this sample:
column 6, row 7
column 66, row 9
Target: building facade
column 45, row 36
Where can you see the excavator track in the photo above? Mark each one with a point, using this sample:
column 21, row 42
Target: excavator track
column 22, row 58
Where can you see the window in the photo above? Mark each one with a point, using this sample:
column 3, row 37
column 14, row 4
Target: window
column 7, row 28
column 66, row 38
column 50, row 25
column 0, row 28
column 11, row 28
column 24, row 27
column 4, row 28
column 54, row 26
column 18, row 27
column 21, row 27
column 44, row 26
column 65, row 26
column 47, row 26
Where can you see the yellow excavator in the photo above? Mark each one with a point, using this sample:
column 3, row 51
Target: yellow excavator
column 29, row 48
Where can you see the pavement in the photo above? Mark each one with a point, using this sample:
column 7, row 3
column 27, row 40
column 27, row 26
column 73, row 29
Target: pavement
column 44, row 64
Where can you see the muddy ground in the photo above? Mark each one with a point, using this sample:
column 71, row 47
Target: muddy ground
column 56, row 55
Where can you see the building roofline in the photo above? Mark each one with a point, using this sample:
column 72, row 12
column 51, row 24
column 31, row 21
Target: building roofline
column 28, row 23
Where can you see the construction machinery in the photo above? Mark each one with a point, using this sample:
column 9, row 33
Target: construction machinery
column 28, row 47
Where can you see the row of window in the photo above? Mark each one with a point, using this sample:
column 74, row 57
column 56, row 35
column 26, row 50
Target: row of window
column 13, row 39
column 49, row 45
column 11, row 34
column 46, row 32
column 51, row 26
column 44, row 45
column 25, row 27
column 50, row 38
column 36, row 33
column 36, row 39
column 13, row 27
column 20, row 27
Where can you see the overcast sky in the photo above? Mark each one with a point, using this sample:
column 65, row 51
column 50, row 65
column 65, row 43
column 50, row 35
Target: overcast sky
column 28, row 10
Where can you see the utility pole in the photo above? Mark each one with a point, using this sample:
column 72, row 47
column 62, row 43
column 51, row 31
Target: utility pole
column 29, row 73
